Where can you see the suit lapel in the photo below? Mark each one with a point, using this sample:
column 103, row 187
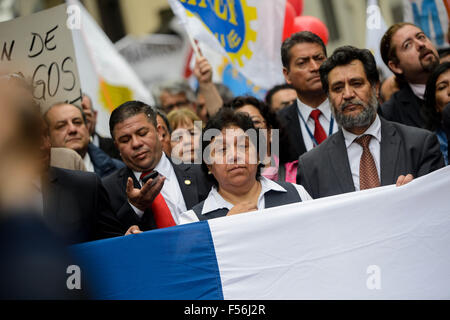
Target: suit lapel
column 122, row 179
column 337, row 156
column 294, row 127
column 389, row 151
column 187, row 183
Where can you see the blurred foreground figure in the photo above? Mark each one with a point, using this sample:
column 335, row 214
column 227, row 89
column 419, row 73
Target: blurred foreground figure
column 34, row 262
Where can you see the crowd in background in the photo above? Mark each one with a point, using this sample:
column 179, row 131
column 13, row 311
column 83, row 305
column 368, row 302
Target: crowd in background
column 333, row 127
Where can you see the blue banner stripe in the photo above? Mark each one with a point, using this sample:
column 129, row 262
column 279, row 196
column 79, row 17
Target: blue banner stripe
column 174, row 263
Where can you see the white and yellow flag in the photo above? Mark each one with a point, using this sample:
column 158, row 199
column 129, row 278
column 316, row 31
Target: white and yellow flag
column 248, row 32
column 104, row 74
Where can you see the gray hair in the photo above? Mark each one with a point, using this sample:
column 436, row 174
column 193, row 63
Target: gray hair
column 173, row 87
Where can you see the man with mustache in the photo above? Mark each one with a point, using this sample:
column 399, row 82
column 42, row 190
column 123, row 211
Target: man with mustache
column 367, row 151
column 157, row 202
column 411, row 56
column 308, row 120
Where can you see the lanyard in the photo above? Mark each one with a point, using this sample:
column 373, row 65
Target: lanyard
column 311, row 135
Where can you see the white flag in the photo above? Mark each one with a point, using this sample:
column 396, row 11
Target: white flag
column 375, row 29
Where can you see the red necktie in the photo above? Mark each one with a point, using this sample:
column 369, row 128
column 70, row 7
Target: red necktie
column 161, row 212
column 319, row 133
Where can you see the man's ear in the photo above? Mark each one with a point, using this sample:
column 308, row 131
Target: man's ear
column 161, row 132
column 286, row 75
column 394, row 67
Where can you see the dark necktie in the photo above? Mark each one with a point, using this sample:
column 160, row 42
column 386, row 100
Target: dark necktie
column 319, row 133
column 368, row 174
column 163, row 216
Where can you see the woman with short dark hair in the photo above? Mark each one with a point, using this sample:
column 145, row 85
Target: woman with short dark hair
column 231, row 159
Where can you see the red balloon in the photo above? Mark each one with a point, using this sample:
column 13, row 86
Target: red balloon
column 298, row 6
column 308, row 23
column 289, row 16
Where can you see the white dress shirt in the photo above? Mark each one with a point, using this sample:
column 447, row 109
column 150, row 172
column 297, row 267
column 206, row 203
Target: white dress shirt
column 215, row 201
column 324, row 119
column 88, row 163
column 354, row 150
column 418, row 89
column 170, row 191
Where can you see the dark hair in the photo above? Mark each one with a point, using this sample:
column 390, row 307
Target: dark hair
column 296, row 38
column 130, row 109
column 272, row 121
column 429, row 112
column 225, row 118
column 387, row 48
column 160, row 112
column 443, row 52
column 343, row 56
column 274, row 90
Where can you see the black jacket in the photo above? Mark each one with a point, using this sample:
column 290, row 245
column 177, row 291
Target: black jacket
column 77, row 207
column 404, row 107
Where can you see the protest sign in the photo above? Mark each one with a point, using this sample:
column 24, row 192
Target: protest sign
column 40, row 47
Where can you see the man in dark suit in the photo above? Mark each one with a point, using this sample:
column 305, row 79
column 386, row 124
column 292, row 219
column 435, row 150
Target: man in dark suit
column 177, row 188
column 412, row 57
column 75, row 204
column 308, row 120
column 368, row 151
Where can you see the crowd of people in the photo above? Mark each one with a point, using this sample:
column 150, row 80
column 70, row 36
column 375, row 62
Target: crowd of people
column 333, row 127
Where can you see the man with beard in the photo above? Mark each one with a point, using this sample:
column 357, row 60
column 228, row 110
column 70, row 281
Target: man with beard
column 411, row 56
column 367, row 151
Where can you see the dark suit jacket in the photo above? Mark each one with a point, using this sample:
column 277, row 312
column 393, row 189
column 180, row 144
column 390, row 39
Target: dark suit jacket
column 193, row 193
column 289, row 119
column 107, row 145
column 404, row 107
column 325, row 170
column 77, row 207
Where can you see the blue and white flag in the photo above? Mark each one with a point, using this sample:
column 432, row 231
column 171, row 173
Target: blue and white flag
column 384, row 243
column 249, row 32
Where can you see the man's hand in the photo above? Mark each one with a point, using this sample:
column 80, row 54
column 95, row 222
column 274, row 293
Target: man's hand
column 402, row 180
column 133, row 230
column 242, row 207
column 143, row 198
column 203, row 70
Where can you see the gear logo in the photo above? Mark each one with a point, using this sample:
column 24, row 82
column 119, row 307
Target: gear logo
column 229, row 22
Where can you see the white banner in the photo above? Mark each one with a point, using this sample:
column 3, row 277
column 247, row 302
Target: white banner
column 384, row 243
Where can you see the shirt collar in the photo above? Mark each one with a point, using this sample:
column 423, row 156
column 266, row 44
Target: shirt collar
column 418, row 89
column 214, row 201
column 306, row 110
column 163, row 168
column 374, row 130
